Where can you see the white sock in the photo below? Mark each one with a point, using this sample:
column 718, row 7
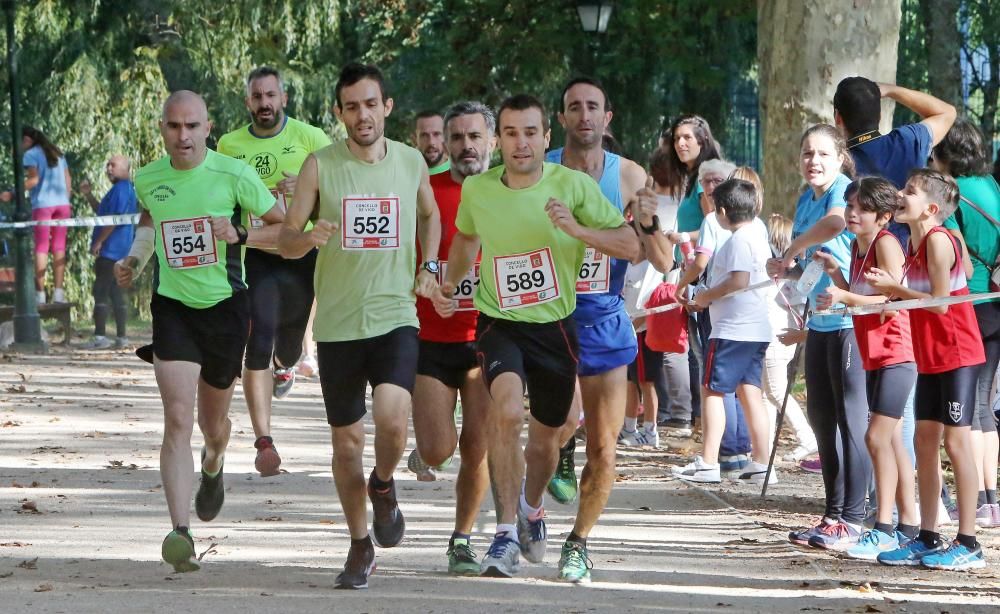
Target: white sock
column 630, row 423
column 527, row 509
column 510, row 529
column 649, row 425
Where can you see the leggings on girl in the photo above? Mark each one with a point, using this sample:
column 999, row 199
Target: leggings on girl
column 837, row 406
column 107, row 289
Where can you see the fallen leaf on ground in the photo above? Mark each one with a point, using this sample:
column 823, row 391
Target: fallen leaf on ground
column 32, row 564
column 30, row 506
column 211, row 549
column 13, row 545
column 43, row 588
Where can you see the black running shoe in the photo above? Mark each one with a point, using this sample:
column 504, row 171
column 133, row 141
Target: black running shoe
column 360, row 564
column 388, row 525
column 211, row 493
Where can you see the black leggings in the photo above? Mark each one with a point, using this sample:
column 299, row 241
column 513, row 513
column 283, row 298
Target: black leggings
column 281, row 296
column 105, row 289
column 837, row 407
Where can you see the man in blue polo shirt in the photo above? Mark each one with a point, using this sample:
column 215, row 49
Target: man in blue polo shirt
column 108, row 245
column 857, row 108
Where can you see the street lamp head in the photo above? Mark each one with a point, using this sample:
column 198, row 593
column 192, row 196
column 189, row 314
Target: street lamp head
column 594, row 15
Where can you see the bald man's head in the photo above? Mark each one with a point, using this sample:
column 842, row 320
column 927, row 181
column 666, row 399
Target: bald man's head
column 118, row 168
column 185, row 128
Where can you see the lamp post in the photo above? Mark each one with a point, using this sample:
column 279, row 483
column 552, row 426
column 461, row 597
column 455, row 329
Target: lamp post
column 594, row 15
column 27, row 324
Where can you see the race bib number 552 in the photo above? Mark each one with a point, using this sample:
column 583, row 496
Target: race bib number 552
column 525, row 279
column 189, row 243
column 370, row 222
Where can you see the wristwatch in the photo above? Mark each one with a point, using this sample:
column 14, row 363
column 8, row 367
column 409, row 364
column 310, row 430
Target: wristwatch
column 432, row 267
column 652, row 228
column 241, row 234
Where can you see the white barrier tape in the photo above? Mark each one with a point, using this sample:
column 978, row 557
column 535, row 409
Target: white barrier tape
column 672, row 306
column 103, row 220
column 916, row 303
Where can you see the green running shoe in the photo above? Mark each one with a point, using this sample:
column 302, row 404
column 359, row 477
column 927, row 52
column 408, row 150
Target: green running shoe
column 178, row 550
column 563, row 486
column 462, row 559
column 574, row 564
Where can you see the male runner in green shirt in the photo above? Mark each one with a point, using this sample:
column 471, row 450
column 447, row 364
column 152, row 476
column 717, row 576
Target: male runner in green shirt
column 428, row 137
column 281, row 291
column 533, row 220
column 196, row 205
column 371, row 198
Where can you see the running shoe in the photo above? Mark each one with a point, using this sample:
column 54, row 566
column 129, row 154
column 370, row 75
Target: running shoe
column 388, row 525
column 802, row 536
column 283, row 380
column 756, row 472
column 677, row 427
column 359, row 566
column 501, row 560
column 462, row 559
column 873, row 543
column 698, row 471
column 533, row 535
column 425, row 473
column 99, row 342
column 909, row 554
column 984, row 515
column 211, row 493
column 651, row 435
column 268, row 461
column 307, row 367
column 563, row 485
column 733, row 462
column 839, row 536
column 811, row 465
column 121, row 343
column 995, row 510
column 629, row 439
column 799, row 453
column 947, row 513
column 178, row 550
column 58, row 296
column 955, row 557
column 574, row 563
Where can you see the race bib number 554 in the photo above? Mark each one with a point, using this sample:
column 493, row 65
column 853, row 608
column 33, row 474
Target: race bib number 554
column 189, row 243
column 525, row 279
column 370, row 223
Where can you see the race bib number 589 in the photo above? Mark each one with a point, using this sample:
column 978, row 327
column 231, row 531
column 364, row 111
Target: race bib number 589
column 189, row 243
column 525, row 279
column 370, row 223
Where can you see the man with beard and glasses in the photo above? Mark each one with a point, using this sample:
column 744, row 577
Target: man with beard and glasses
column 281, row 291
column 607, row 338
column 371, row 200
column 534, row 221
column 447, row 363
column 195, row 211
column 428, row 136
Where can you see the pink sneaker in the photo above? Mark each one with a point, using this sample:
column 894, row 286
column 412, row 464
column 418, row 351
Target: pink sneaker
column 812, row 465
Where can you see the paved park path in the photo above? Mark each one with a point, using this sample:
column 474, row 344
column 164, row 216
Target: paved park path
column 82, row 515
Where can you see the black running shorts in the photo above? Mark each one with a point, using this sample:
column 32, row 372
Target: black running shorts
column 345, row 367
column 949, row 397
column 448, row 363
column 544, row 356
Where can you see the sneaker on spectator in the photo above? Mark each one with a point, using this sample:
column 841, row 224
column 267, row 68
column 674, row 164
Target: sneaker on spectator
column 58, row 296
column 121, row 343
column 873, row 543
column 947, row 513
column 799, row 453
column 651, row 435
column 756, row 472
column 698, row 471
column 955, row 557
column 908, row 554
column 629, row 439
column 801, row 537
column 99, row 342
column 812, row 465
column 984, row 515
column 839, row 536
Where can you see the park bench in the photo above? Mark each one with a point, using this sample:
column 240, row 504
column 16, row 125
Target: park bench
column 63, row 312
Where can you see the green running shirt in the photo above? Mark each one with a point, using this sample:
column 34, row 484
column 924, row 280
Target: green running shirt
column 529, row 267
column 365, row 273
column 192, row 267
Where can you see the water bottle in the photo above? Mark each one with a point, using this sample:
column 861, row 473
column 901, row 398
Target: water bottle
column 687, row 250
column 810, row 277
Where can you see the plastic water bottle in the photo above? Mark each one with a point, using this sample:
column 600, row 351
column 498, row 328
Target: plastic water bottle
column 687, row 250
column 810, row 276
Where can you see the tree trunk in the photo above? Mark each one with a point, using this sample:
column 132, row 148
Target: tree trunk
column 804, row 48
column 944, row 46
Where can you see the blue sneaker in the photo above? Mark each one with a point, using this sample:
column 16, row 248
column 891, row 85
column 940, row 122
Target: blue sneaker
column 872, row 543
column 908, row 554
column 955, row 558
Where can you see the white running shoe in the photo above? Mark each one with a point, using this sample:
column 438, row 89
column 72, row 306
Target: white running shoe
column 58, row 296
column 651, row 435
column 799, row 453
column 698, row 471
column 629, row 439
column 755, row 472
column 99, row 342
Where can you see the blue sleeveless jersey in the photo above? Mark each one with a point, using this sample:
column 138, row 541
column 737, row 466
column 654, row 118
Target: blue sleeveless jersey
column 594, row 308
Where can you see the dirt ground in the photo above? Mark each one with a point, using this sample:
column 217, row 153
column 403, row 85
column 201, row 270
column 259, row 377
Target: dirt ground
column 82, row 516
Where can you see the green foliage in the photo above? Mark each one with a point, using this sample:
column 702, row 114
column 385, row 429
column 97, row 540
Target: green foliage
column 94, row 72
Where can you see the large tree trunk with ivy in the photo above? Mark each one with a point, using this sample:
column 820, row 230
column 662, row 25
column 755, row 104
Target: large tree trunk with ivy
column 804, row 48
column 944, row 46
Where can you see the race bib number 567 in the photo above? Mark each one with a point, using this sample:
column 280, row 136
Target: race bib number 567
column 525, row 279
column 189, row 243
column 370, row 222
column 595, row 273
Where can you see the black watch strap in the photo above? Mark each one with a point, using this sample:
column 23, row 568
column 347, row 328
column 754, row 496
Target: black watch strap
column 652, row 228
column 241, row 234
